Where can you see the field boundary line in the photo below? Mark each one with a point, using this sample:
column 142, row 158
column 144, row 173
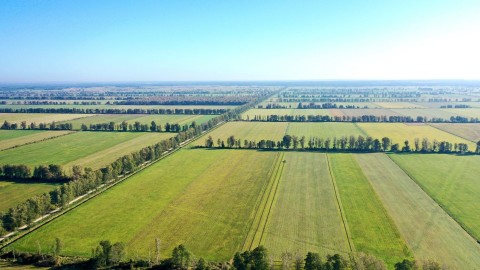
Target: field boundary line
column 340, row 206
column 446, row 131
column 42, row 140
column 437, row 202
column 88, row 196
column 260, row 203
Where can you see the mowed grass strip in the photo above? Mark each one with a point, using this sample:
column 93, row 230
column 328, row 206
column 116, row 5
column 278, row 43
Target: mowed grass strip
column 428, row 230
column 107, row 156
column 399, row 132
column 64, row 149
column 305, row 215
column 324, row 130
column 371, row 228
column 39, row 117
column 28, row 136
column 255, row 131
column 12, row 193
column 467, row 131
column 452, row 181
column 202, row 198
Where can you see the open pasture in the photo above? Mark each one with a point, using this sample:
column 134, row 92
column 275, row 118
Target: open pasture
column 371, row 228
column 324, row 129
column 13, row 193
column 399, row 132
column 452, row 181
column 305, row 215
column 428, row 230
column 204, row 199
column 38, row 117
column 21, row 137
column 255, row 131
column 469, row 112
column 65, row 149
column 467, row 131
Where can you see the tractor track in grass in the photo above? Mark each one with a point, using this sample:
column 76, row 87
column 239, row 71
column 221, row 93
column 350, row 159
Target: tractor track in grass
column 263, row 210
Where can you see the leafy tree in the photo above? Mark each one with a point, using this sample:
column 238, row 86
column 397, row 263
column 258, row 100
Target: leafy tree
column 260, row 258
column 287, row 141
column 201, row 265
column 406, row 265
column 369, row 262
column 117, row 252
column 313, row 261
column 181, row 257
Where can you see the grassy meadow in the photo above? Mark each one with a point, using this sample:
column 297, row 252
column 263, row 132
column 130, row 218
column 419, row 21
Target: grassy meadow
column 13, row 193
column 13, row 138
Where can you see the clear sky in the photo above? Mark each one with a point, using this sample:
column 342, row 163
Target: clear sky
column 44, row 41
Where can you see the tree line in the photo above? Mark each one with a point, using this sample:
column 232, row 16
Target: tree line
column 41, row 126
column 85, row 180
column 108, row 255
column 198, row 111
column 362, row 118
column 344, row 144
column 312, row 105
column 42, row 173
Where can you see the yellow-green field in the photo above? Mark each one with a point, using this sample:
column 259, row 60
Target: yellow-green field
column 12, row 138
column 469, row 132
column 39, row 117
column 324, row 130
column 13, row 193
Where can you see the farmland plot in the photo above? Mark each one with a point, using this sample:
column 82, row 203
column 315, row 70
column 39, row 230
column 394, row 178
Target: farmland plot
column 39, row 117
column 429, row 231
column 372, row 229
column 400, row 132
column 305, row 215
column 202, row 198
column 467, row 131
column 324, row 130
column 452, row 181
column 375, row 112
column 13, row 138
column 470, row 112
column 13, row 193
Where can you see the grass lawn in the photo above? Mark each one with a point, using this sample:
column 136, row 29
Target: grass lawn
column 371, row 228
column 429, row 231
column 202, row 198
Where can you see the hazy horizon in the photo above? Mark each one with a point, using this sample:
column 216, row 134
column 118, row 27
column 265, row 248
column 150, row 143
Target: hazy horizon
column 215, row 41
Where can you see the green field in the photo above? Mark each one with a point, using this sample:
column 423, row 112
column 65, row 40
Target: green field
column 305, row 215
column 469, row 112
column 12, row 193
column 429, row 231
column 126, row 107
column 469, row 132
column 106, row 156
column 202, row 198
column 39, row 117
column 398, row 105
column 400, row 132
column 371, row 228
column 247, row 131
column 12, row 138
column 65, row 149
column 324, row 130
column 452, row 181
column 429, row 113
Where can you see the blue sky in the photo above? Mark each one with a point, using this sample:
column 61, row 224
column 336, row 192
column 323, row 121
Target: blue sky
column 44, row 41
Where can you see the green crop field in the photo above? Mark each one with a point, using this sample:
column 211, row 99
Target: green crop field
column 125, row 107
column 13, row 193
column 106, row 156
column 429, row 113
column 453, row 181
column 429, row 231
column 39, row 117
column 247, row 131
column 376, row 112
column 305, row 215
column 12, row 138
column 324, row 130
column 371, row 228
column 65, row 149
column 203, row 198
column 400, row 132
column 467, row 131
